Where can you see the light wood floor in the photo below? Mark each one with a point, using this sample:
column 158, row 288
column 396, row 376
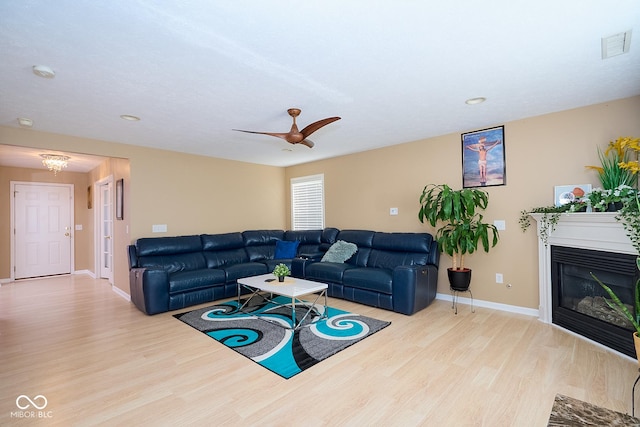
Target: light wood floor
column 99, row 361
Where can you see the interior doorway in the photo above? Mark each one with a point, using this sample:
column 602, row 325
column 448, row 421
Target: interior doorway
column 42, row 241
column 104, row 228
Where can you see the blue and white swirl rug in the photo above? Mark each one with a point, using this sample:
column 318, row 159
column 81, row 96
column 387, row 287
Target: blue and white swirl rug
column 283, row 351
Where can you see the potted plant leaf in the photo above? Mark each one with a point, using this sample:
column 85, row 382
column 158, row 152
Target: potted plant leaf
column 461, row 229
column 281, row 271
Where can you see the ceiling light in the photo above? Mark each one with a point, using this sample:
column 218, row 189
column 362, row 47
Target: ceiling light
column 24, row 122
column 130, row 118
column 43, row 71
column 474, row 101
column 54, row 162
column 616, row 44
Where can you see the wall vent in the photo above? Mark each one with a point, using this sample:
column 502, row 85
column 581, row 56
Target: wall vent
column 616, row 44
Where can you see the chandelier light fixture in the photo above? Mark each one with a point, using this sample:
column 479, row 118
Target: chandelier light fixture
column 54, row 162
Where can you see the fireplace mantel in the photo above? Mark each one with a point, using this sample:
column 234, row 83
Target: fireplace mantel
column 598, row 231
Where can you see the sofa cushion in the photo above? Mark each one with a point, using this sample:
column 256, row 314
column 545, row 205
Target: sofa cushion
column 363, row 240
column 261, row 244
column 220, row 259
column 174, row 263
column 246, row 269
column 340, row 251
column 286, row 249
column 326, row 271
column 151, row 246
column 374, row 279
column 195, row 279
column 224, row 241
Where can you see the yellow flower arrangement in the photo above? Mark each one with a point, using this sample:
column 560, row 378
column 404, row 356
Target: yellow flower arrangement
column 617, row 167
column 628, row 143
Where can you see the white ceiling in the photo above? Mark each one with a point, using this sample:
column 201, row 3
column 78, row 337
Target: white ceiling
column 395, row 71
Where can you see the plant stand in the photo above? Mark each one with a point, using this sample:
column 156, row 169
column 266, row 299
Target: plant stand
column 455, row 293
column 633, row 396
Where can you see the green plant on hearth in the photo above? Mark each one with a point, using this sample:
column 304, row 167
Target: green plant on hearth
column 616, row 304
column 281, row 270
column 629, row 215
column 461, row 228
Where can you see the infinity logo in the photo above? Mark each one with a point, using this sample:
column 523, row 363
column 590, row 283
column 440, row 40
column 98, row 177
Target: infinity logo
column 20, row 399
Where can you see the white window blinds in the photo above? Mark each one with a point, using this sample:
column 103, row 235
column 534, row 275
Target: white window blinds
column 307, row 202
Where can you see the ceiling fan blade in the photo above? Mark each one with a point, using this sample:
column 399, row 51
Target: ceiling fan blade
column 276, row 134
column 307, row 142
column 317, row 125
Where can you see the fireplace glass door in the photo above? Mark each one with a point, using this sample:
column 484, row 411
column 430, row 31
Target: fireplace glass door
column 581, row 305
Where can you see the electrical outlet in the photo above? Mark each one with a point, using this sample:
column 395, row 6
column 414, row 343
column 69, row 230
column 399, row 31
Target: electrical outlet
column 500, row 224
column 393, row 211
column 499, row 278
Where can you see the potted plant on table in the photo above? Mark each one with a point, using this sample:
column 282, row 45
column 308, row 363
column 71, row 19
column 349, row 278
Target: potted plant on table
column 461, row 228
column 281, row 271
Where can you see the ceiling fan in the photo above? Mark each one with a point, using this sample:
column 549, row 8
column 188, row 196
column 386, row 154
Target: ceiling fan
column 294, row 136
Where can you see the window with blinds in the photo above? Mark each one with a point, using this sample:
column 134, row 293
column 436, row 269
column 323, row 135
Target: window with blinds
column 307, row 202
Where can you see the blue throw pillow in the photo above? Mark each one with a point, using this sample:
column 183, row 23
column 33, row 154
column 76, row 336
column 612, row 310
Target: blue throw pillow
column 286, row 249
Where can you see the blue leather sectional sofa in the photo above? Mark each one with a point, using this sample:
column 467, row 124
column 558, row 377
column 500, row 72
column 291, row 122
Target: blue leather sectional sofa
column 394, row 271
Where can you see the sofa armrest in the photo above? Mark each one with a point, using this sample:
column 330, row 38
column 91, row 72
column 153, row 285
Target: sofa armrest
column 299, row 266
column 315, row 256
column 414, row 287
column 149, row 289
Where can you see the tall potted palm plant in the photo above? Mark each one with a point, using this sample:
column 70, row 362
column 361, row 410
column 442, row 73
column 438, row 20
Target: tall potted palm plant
column 461, row 229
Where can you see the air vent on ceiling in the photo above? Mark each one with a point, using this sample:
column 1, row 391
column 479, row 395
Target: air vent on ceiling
column 616, row 44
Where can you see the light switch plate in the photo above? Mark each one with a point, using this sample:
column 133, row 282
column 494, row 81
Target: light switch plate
column 159, row 228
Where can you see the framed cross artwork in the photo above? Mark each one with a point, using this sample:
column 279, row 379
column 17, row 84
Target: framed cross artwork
column 483, row 158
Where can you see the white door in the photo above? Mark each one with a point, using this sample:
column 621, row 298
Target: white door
column 43, row 216
column 105, row 235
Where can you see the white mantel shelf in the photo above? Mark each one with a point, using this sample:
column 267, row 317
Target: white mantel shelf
column 599, row 231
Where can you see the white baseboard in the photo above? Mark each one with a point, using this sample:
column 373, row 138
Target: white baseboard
column 5, row 281
column 491, row 305
column 87, row 272
column 120, row 292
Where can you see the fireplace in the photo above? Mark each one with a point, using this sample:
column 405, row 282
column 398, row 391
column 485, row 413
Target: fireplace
column 579, row 303
column 583, row 243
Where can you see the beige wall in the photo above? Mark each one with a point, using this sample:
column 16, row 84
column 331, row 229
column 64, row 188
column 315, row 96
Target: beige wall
column 190, row 194
column 541, row 152
column 195, row 194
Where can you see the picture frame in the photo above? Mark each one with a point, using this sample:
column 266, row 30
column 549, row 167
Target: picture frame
column 563, row 194
column 119, row 199
column 483, row 158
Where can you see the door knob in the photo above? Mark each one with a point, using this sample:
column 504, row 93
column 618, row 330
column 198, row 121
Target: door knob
column 66, row 234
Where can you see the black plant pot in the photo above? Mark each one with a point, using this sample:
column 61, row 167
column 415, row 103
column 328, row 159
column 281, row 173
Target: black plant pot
column 614, row 206
column 459, row 279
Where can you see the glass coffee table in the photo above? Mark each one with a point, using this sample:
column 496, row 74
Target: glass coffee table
column 267, row 285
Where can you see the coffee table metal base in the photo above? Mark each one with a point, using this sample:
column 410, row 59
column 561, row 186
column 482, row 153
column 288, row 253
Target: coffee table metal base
column 266, row 291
